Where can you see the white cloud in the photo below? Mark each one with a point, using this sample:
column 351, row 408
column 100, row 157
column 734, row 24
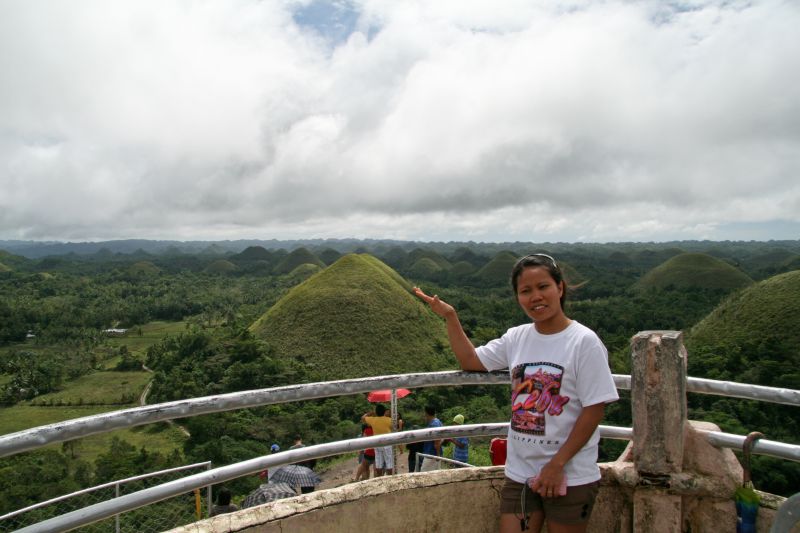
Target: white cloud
column 432, row 120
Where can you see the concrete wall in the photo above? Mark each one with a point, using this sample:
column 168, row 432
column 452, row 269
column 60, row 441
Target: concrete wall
column 463, row 500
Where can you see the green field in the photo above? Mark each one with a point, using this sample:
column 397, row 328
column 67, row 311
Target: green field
column 99, row 392
column 151, row 333
column 98, row 388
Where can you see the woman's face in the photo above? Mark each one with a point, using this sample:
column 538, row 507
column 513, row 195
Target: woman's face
column 539, row 295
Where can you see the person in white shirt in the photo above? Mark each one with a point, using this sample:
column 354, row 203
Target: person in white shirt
column 561, row 382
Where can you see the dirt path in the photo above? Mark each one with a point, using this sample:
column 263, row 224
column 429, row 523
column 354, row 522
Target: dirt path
column 342, row 472
column 143, row 401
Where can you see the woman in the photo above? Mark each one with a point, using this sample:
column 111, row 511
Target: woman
column 560, row 385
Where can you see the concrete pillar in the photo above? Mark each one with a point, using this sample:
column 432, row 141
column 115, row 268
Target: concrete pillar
column 658, row 399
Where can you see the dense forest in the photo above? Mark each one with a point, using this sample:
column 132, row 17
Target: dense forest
column 188, row 319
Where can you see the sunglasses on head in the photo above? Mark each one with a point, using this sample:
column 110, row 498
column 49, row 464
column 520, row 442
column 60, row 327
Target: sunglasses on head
column 532, row 256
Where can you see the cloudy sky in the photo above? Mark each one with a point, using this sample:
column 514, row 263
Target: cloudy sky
column 436, row 120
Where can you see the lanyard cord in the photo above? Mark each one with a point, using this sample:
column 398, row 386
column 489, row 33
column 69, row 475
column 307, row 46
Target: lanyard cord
column 525, row 519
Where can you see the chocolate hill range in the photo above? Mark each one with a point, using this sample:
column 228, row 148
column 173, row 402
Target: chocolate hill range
column 251, row 315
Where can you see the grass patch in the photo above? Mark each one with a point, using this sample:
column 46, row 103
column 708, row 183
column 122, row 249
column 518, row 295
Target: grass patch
column 98, row 388
column 151, row 333
column 21, row 417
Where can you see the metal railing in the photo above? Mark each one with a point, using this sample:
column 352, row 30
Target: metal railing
column 29, row 439
column 70, row 429
column 222, row 474
column 61, row 504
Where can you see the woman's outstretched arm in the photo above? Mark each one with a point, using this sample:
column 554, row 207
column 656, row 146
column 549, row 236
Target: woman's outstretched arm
column 459, row 342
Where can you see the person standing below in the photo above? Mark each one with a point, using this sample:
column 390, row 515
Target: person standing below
column 223, row 504
column 431, row 447
column 413, row 448
column 381, row 425
column 560, row 383
column 366, row 458
column 497, row 451
column 266, row 473
column 461, row 449
column 298, row 443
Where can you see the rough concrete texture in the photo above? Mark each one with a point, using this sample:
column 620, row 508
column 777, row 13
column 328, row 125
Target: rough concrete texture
column 657, row 510
column 658, row 389
column 705, row 514
column 467, row 500
column 704, row 460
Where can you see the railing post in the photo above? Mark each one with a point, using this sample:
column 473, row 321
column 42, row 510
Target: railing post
column 208, row 495
column 116, row 518
column 658, row 398
column 393, row 405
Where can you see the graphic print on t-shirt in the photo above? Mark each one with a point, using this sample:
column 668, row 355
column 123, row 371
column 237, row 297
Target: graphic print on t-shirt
column 535, row 390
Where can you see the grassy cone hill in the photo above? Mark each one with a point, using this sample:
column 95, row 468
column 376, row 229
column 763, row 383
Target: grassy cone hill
column 298, row 257
column 498, row 270
column 220, row 266
column 253, row 253
column 424, row 268
column 694, row 270
column 356, row 318
column 304, row 271
column 758, row 312
column 418, row 254
column 143, row 268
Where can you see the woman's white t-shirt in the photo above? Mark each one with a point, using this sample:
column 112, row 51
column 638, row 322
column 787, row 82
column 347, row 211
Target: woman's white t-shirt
column 552, row 378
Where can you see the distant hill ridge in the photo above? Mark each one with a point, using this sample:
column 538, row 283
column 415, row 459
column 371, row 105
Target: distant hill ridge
column 694, row 270
column 355, row 318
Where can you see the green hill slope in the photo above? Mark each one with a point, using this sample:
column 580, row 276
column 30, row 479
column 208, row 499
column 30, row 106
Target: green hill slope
column 419, row 254
column 498, row 270
column 11, row 260
column 356, row 318
column 220, row 266
column 424, row 268
column 753, row 336
column 694, row 270
column 253, row 253
column 296, row 258
column 143, row 268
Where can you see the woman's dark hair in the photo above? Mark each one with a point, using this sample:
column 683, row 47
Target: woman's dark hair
column 223, row 496
column 543, row 261
column 380, row 409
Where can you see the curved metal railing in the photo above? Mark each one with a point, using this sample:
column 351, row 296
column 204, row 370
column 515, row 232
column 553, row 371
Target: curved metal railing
column 63, row 431
column 33, row 438
column 128, row 502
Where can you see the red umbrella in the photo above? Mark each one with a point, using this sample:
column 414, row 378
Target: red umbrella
column 385, row 395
